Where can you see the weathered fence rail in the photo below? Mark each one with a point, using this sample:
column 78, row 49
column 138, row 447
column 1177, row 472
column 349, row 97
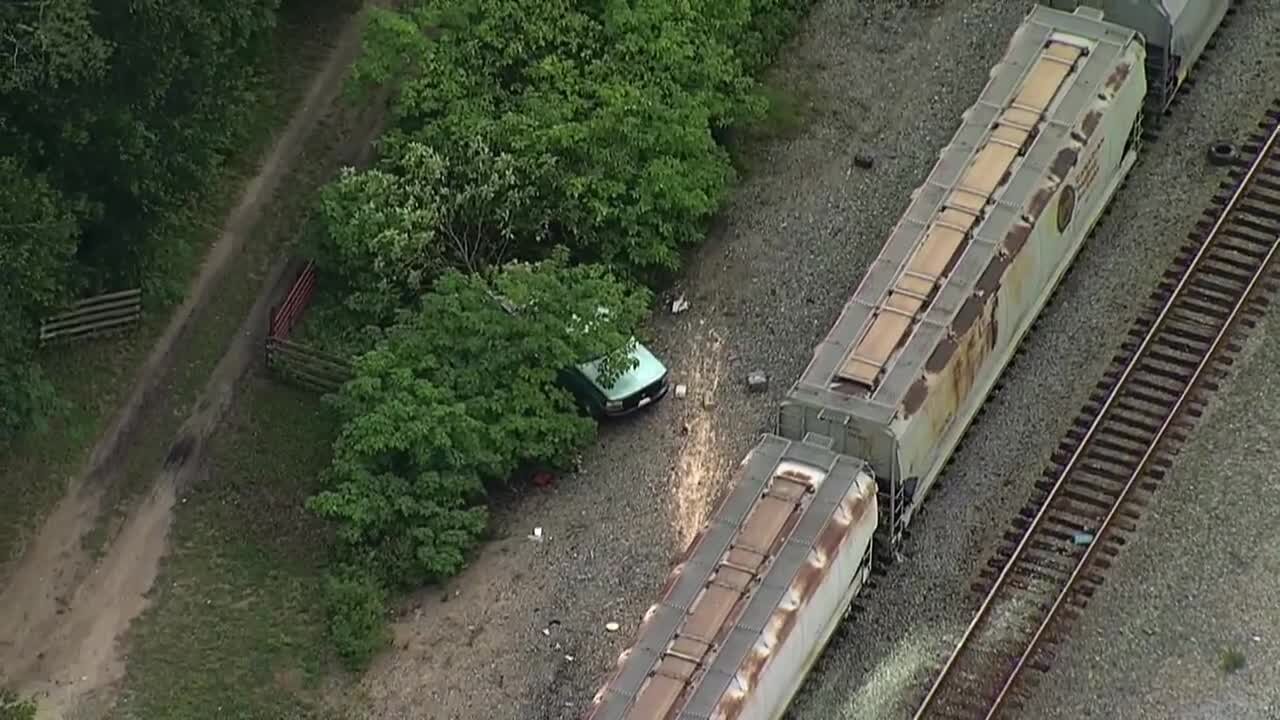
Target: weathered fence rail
column 307, row 366
column 91, row 317
column 287, row 315
column 296, row 362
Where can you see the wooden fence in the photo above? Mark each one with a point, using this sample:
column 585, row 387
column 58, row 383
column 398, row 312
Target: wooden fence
column 108, row 313
column 296, row 362
column 306, row 366
column 287, row 315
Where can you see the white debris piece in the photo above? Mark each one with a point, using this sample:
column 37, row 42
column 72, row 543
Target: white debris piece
column 679, row 305
column 537, row 535
column 612, row 626
column 682, row 390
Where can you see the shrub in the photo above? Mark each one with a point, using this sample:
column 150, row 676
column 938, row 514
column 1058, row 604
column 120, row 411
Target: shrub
column 604, row 113
column 356, row 605
column 461, row 392
column 12, row 707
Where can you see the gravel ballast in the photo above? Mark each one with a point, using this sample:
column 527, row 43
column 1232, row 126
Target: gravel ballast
column 522, row 633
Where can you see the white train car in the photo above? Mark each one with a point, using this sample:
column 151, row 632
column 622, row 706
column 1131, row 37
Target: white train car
column 1175, row 34
column 976, row 255
column 759, row 592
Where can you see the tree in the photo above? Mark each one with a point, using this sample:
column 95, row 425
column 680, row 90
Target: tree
column 45, row 43
column 390, row 231
column 37, row 243
column 130, row 107
column 463, row 390
column 114, row 117
column 607, row 109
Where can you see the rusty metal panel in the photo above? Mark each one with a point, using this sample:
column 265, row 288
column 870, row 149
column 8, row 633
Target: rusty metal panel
column 909, row 420
column 689, row 655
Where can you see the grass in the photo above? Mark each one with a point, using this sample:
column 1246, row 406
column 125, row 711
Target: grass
column 1232, row 660
column 13, row 707
column 236, row 629
column 790, row 104
column 94, row 378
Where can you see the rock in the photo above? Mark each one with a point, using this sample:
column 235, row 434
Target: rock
column 757, row 381
column 708, row 401
column 863, row 161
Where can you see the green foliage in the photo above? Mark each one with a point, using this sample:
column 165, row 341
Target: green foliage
column 115, row 117
column 129, row 108
column 356, row 604
column 37, row 244
column 461, row 392
column 46, row 44
column 13, row 707
column 604, row 111
column 1232, row 660
column 390, row 231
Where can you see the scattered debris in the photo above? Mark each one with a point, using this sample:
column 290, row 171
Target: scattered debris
column 864, row 161
column 568, row 658
column 537, row 535
column 1082, row 538
column 679, row 305
column 546, row 631
column 612, row 626
column 682, row 390
column 708, row 401
column 1222, row 153
column 757, row 381
column 543, row 479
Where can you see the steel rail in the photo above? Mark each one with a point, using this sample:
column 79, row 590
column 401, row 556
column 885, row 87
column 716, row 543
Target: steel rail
column 1164, row 427
column 1133, row 362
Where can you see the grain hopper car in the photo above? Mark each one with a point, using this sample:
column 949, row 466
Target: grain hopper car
column 1175, row 34
column 864, row 433
column 759, row 591
column 979, row 250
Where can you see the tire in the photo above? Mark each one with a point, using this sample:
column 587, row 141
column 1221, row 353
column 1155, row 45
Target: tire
column 1222, row 153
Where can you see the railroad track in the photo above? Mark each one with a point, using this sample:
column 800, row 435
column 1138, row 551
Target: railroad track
column 1120, row 446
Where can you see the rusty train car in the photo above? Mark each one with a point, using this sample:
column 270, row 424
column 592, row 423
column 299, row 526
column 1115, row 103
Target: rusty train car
column 865, row 431
column 760, row 589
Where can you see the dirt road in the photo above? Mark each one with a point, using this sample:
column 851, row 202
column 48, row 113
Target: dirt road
column 63, row 613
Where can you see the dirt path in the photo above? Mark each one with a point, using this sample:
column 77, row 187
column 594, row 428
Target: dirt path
column 63, row 612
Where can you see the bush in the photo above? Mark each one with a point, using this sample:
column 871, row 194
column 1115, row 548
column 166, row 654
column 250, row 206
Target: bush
column 356, row 605
column 602, row 112
column 13, row 707
column 37, row 247
column 461, row 392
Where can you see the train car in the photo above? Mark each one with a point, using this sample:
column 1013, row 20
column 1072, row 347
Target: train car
column 757, row 595
column 1175, row 33
column 976, row 255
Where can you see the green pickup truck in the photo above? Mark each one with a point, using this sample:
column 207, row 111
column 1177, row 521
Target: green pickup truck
column 642, row 385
